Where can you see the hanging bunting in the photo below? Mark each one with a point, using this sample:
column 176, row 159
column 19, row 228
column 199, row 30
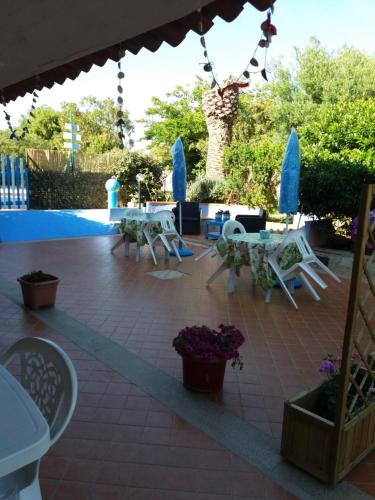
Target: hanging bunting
column 268, row 31
column 120, row 101
column 25, row 129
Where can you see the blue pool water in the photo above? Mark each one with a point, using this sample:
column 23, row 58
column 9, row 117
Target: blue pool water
column 31, row 225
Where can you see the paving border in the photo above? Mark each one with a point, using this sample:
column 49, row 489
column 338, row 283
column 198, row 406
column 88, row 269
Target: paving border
column 248, row 442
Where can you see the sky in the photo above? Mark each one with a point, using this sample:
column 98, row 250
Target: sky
column 230, row 46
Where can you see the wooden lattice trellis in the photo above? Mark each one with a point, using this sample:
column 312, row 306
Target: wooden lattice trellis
column 358, row 377
column 327, row 449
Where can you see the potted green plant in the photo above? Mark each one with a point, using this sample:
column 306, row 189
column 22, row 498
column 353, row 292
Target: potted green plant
column 38, row 289
column 205, row 352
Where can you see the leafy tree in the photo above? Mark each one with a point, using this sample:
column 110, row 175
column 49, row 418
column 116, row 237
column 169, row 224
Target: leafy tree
column 344, row 75
column 44, row 128
column 180, row 115
column 97, row 123
column 96, row 119
column 329, row 98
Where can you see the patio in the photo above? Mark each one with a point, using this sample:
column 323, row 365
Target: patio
column 136, row 433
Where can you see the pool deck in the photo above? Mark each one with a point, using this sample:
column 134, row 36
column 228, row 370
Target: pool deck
column 136, row 433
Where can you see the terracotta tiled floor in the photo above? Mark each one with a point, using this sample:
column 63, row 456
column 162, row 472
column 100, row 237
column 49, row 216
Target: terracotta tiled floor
column 122, row 443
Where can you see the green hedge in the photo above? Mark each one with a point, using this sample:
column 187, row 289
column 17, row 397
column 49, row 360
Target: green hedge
column 52, row 188
column 331, row 186
column 58, row 190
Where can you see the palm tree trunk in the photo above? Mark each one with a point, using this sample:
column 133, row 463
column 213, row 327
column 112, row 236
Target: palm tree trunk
column 219, row 137
column 220, row 107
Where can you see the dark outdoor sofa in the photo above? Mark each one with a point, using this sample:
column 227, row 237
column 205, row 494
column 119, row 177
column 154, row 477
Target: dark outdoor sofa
column 253, row 223
column 191, row 217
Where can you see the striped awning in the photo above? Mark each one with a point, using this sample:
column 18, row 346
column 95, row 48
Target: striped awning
column 43, row 43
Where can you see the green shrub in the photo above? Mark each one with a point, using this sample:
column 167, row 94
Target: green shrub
column 252, row 172
column 206, row 190
column 126, row 165
column 331, row 185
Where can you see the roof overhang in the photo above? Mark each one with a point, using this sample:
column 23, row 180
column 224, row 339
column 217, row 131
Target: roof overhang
column 43, row 42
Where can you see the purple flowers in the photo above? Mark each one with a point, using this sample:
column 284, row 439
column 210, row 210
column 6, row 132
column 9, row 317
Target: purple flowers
column 354, row 230
column 331, row 365
column 209, row 344
column 327, row 367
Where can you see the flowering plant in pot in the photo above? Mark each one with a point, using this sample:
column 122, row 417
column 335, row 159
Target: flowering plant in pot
column 204, row 353
column 38, row 289
column 331, row 367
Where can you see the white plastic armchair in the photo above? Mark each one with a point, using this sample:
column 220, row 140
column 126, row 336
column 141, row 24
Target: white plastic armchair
column 230, row 227
column 168, row 235
column 299, row 269
column 134, row 211
column 48, row 375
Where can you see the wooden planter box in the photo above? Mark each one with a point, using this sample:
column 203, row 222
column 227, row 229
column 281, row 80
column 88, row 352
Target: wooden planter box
column 308, row 440
column 37, row 295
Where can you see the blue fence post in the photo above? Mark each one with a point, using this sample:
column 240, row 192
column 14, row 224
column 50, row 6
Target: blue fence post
column 17, row 178
column 2, row 191
column 26, row 173
column 7, row 177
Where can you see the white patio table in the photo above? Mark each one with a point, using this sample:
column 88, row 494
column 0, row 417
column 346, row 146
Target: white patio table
column 132, row 229
column 24, row 432
column 258, row 250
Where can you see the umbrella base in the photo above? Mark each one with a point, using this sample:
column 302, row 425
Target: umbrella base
column 184, row 252
column 296, row 283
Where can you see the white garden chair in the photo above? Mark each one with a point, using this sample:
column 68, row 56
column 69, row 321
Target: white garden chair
column 168, row 235
column 230, row 227
column 301, row 268
column 48, row 375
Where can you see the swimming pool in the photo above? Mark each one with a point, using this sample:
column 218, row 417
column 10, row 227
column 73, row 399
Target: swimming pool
column 32, row 225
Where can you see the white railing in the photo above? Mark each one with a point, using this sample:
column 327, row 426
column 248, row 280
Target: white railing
column 14, row 184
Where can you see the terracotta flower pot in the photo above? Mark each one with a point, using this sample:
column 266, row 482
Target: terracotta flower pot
column 203, row 375
column 37, row 295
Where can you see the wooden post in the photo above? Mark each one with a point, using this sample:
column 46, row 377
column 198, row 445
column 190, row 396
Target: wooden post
column 351, row 320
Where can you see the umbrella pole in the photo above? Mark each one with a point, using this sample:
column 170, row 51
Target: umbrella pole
column 180, row 215
column 286, row 224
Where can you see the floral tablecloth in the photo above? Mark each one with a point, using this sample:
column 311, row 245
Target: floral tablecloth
column 248, row 249
column 132, row 228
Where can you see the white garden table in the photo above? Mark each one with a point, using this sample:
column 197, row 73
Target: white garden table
column 258, row 250
column 24, row 432
column 132, row 227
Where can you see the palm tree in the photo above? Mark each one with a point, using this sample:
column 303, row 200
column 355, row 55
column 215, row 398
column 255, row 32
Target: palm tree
column 220, row 106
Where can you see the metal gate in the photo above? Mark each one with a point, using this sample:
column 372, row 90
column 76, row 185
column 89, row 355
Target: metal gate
column 14, row 183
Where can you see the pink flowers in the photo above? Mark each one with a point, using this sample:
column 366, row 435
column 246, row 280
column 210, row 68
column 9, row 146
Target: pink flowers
column 209, row 344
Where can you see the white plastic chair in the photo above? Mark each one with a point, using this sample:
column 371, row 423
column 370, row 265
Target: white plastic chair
column 300, row 268
column 210, row 249
column 167, row 236
column 48, row 375
column 230, row 227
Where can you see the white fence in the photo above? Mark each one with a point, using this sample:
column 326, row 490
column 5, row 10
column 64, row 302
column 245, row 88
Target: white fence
column 14, row 184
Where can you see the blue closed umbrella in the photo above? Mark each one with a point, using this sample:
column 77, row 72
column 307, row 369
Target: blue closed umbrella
column 179, row 184
column 179, row 171
column 289, row 184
